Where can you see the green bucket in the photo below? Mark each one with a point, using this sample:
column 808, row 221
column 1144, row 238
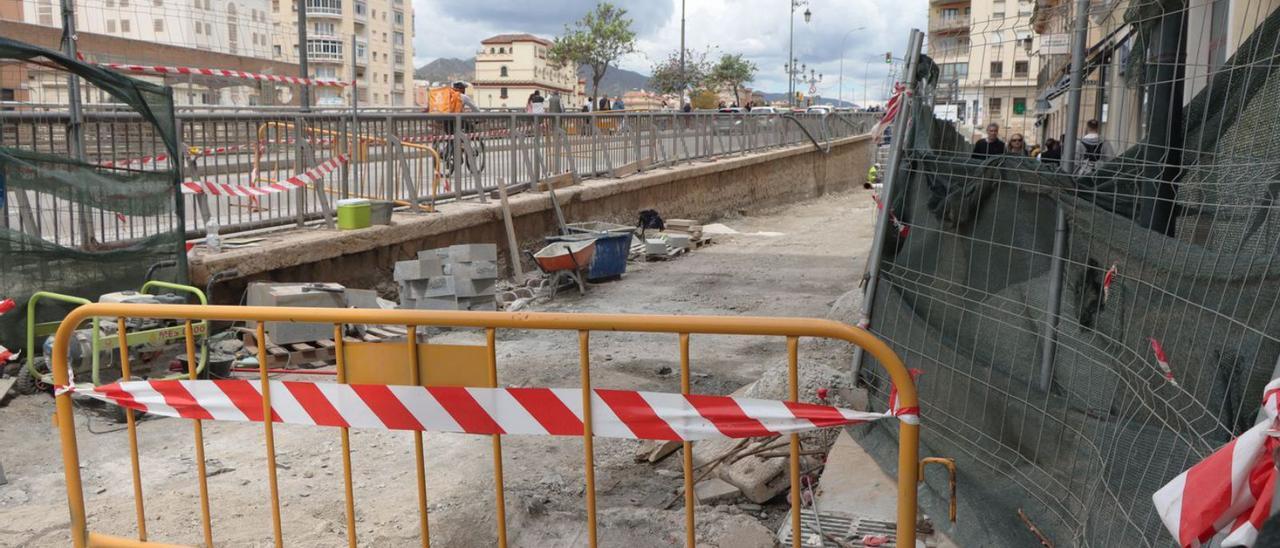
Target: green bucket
column 354, row 213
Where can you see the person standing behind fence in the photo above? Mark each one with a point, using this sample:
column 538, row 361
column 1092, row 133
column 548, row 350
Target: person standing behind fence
column 604, row 103
column 554, row 105
column 1052, row 153
column 1092, row 149
column 1017, row 145
column 618, row 104
column 991, row 146
column 537, row 104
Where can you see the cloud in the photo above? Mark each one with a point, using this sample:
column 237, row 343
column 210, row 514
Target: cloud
column 756, row 28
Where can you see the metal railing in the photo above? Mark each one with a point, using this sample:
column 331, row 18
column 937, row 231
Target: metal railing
column 396, row 154
column 400, row 363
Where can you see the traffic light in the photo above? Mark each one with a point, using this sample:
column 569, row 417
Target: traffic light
column 888, row 57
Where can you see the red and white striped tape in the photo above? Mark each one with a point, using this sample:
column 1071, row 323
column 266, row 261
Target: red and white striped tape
column 533, row 411
column 223, row 73
column 1229, row 493
column 1162, row 360
column 297, row 181
column 906, row 414
column 898, row 225
column 1108, row 279
column 6, row 305
column 7, row 356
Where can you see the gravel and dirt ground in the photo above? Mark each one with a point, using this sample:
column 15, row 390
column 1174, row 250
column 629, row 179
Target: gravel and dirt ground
column 817, row 257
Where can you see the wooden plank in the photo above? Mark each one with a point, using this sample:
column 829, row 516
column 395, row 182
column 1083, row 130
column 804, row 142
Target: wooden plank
column 556, row 181
column 513, row 246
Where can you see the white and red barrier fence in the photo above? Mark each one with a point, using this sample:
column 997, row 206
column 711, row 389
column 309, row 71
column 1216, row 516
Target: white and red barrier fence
column 297, row 181
column 532, row 411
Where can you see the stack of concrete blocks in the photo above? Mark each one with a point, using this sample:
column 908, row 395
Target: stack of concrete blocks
column 460, row 277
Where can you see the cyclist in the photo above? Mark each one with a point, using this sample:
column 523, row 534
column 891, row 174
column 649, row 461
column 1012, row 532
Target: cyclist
column 468, row 104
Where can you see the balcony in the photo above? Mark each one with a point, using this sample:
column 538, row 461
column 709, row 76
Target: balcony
column 324, row 57
column 361, row 13
column 948, row 24
column 324, row 8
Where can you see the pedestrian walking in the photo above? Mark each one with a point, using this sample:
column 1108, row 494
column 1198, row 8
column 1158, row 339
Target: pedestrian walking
column 1092, row 149
column 537, row 104
column 554, row 103
column 991, row 146
column 1052, row 153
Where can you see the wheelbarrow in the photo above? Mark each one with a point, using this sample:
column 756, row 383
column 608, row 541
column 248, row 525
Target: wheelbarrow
column 566, row 260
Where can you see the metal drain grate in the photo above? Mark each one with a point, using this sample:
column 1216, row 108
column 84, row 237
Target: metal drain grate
column 849, row 528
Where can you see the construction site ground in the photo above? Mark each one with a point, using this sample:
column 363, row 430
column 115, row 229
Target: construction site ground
column 792, row 261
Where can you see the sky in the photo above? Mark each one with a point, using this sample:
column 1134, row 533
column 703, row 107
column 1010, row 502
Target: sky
column 755, row 28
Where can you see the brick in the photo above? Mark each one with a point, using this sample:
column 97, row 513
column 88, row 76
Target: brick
column 466, row 253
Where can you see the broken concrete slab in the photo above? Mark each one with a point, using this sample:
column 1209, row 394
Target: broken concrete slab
column 715, row 491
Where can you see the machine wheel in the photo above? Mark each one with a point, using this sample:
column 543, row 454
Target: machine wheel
column 26, row 384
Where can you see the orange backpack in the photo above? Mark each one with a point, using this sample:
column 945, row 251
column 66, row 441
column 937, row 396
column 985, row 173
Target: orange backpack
column 444, row 99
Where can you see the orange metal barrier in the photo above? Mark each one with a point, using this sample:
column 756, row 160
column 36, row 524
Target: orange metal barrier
column 376, row 363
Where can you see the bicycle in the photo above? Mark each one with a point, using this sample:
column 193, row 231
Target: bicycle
column 446, row 150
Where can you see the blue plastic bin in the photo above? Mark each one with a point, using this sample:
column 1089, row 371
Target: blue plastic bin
column 610, row 259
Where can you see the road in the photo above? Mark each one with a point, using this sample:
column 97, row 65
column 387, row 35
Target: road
column 791, row 261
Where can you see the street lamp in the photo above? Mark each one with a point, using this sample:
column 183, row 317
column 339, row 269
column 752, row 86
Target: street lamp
column 840, row 94
column 813, row 80
column 791, row 53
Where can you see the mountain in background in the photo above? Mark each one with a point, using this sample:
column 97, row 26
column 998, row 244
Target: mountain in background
column 616, row 81
column 821, row 100
column 446, row 69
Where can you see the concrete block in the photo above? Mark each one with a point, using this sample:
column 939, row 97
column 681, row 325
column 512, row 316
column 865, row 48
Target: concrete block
column 415, row 289
column 436, row 303
column 298, row 295
column 409, row 270
column 441, row 253
column 655, row 246
column 463, row 287
column 759, row 479
column 678, row 241
column 362, row 298
column 477, row 303
column 465, row 253
column 474, row 270
column 715, row 491
column 439, row 286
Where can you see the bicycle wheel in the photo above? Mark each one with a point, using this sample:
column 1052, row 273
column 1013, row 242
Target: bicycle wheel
column 478, row 148
column 445, row 150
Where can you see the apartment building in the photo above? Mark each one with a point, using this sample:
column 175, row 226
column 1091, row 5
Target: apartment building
column 509, row 67
column 985, row 52
column 233, row 34
column 370, row 41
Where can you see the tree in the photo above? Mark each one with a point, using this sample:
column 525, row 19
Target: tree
column 733, row 71
column 595, row 41
column 667, row 78
column 705, row 99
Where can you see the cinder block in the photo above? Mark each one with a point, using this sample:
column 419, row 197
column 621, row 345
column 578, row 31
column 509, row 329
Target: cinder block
column 475, row 270
column 437, row 303
column 678, row 241
column 465, row 253
column 464, row 287
column 655, row 246
column 408, row 270
column 477, row 303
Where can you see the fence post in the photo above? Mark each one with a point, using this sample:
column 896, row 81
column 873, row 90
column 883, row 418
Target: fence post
column 1049, row 333
column 914, row 43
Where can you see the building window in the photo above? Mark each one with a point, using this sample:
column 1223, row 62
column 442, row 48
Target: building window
column 502, row 71
column 111, row 25
column 233, row 27
column 324, row 48
column 399, row 57
column 325, row 29
column 158, row 25
column 333, row 7
column 1019, row 105
column 399, row 17
column 954, row 71
column 502, row 93
column 157, row 3
column 997, row 69
column 994, row 107
column 1021, row 69
column 124, row 25
column 124, row 3
column 361, row 8
column 491, row 50
column 208, row 29
column 199, row 28
column 397, row 38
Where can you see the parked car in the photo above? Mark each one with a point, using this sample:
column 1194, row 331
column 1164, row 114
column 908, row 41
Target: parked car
column 764, row 110
column 819, row 109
